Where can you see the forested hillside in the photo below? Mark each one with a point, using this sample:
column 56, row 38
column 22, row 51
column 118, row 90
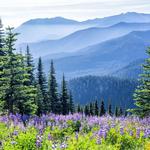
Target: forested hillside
column 118, row 92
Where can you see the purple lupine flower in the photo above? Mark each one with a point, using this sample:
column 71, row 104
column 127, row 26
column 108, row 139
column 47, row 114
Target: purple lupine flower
column 63, row 145
column 138, row 133
column 102, row 133
column 15, row 133
column 121, row 130
column 147, row 133
column 38, row 141
column 131, row 133
column 49, row 137
column 99, row 140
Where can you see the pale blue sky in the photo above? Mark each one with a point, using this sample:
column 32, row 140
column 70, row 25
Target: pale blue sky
column 15, row 12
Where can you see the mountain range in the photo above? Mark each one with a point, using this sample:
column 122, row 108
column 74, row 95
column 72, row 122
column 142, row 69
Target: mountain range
column 104, row 58
column 103, row 46
column 40, row 29
column 83, row 38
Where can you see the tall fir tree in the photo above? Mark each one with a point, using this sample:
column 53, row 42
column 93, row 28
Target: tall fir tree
column 64, row 97
column 96, row 108
column 39, row 100
column 25, row 93
column 53, row 102
column 120, row 111
column 86, row 110
column 116, row 111
column 41, row 83
column 102, row 108
column 14, row 95
column 71, row 104
column 30, row 66
column 91, row 109
column 9, row 70
column 78, row 108
column 109, row 109
column 142, row 93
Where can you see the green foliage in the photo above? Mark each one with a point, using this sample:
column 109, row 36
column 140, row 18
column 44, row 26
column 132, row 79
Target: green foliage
column 16, row 96
column 142, row 93
column 41, row 84
column 102, row 109
column 71, row 104
column 53, row 100
column 64, row 98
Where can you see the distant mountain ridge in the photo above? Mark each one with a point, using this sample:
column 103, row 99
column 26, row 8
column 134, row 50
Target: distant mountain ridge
column 83, row 38
column 131, row 71
column 104, row 58
column 58, row 27
column 56, row 20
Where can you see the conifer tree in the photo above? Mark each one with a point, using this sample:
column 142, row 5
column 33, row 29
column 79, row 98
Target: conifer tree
column 15, row 96
column 39, row 100
column 96, row 108
column 120, row 111
column 30, row 66
column 116, row 111
column 109, row 109
column 64, row 97
column 9, row 69
column 78, row 108
column 71, row 104
column 102, row 109
column 25, row 93
column 41, row 83
column 91, row 109
column 142, row 93
column 53, row 103
column 86, row 110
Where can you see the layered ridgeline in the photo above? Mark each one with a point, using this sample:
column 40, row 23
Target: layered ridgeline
column 54, row 28
column 83, row 38
column 105, row 58
column 115, row 44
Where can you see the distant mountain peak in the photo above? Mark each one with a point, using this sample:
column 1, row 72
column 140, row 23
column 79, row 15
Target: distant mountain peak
column 55, row 20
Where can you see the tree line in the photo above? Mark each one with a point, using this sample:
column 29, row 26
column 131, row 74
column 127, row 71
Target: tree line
column 94, row 109
column 21, row 91
column 26, row 92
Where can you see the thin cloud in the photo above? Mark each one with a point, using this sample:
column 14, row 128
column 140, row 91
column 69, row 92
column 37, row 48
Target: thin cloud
column 14, row 11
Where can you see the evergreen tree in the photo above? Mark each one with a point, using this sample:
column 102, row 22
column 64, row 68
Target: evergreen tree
column 109, row 109
column 91, row 109
column 53, row 100
column 142, row 93
column 71, row 104
column 39, row 100
column 120, row 111
column 96, row 108
column 78, row 108
column 102, row 109
column 116, row 111
column 25, row 93
column 41, row 82
column 15, row 96
column 30, row 67
column 86, row 110
column 9, row 69
column 64, row 97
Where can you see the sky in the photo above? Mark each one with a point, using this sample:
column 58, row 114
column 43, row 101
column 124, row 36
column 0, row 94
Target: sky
column 15, row 12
